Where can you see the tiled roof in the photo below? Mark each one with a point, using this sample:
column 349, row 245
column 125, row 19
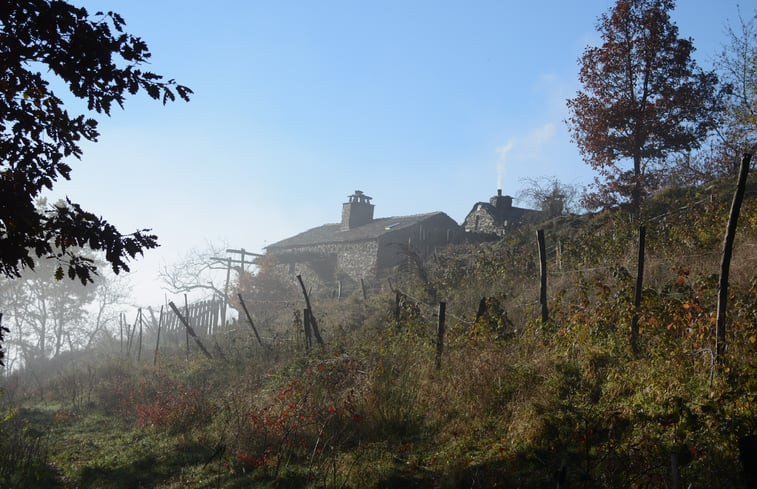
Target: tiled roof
column 332, row 233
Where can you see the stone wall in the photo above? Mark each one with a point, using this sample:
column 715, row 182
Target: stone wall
column 480, row 221
column 322, row 266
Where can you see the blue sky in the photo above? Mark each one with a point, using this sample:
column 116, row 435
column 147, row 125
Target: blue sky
column 425, row 106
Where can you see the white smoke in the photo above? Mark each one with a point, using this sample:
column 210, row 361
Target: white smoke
column 502, row 152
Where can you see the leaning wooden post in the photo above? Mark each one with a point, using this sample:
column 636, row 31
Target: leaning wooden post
column 312, row 321
column 725, row 264
column 249, row 319
column 190, row 331
column 157, row 342
column 362, row 286
column 543, row 273
column 440, row 335
column 637, row 292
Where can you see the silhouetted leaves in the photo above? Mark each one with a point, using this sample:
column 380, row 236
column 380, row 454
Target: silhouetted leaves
column 99, row 63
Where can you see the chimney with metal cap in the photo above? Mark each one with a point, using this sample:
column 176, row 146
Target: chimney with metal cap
column 357, row 211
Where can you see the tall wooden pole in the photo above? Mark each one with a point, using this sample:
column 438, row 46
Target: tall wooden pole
column 543, row 273
column 725, row 264
column 440, row 335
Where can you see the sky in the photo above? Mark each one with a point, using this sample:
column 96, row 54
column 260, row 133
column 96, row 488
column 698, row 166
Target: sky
column 423, row 105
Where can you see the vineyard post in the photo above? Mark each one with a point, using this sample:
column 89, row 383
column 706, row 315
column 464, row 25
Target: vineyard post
column 725, row 264
column 190, row 331
column 312, row 322
column 131, row 336
column 543, row 273
column 397, row 302
column 637, row 292
column 306, row 329
column 226, row 293
column 362, row 286
column 121, row 329
column 139, row 351
column 249, row 319
column 440, row 335
column 188, row 326
column 157, row 342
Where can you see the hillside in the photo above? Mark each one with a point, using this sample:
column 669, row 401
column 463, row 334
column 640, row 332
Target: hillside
column 507, row 401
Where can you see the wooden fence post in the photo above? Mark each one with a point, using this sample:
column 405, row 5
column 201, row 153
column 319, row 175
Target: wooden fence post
column 440, row 335
column 397, row 311
column 157, row 342
column 725, row 264
column 139, row 351
column 362, row 286
column 311, row 316
column 249, row 319
column 131, row 336
column 187, row 325
column 121, row 329
column 637, row 292
column 543, row 273
column 189, row 330
column 306, row 329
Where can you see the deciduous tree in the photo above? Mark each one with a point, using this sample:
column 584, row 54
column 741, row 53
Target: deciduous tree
column 643, row 98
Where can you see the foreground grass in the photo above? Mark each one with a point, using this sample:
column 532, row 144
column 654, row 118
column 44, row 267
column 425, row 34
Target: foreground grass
column 514, row 403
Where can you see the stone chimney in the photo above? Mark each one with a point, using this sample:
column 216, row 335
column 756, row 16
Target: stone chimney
column 500, row 201
column 357, row 211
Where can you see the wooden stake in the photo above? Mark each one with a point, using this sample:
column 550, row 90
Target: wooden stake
column 190, row 331
column 157, row 342
column 139, row 351
column 397, row 311
column 543, row 273
column 440, row 335
column 725, row 264
column 186, row 331
column 312, row 321
column 306, row 328
column 249, row 319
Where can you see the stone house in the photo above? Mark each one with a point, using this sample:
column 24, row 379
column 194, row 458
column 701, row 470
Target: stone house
column 360, row 246
column 497, row 216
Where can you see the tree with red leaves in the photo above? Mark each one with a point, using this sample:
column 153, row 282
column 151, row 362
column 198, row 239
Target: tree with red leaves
column 643, row 98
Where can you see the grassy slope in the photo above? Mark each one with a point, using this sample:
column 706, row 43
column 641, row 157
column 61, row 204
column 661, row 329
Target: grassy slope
column 514, row 403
